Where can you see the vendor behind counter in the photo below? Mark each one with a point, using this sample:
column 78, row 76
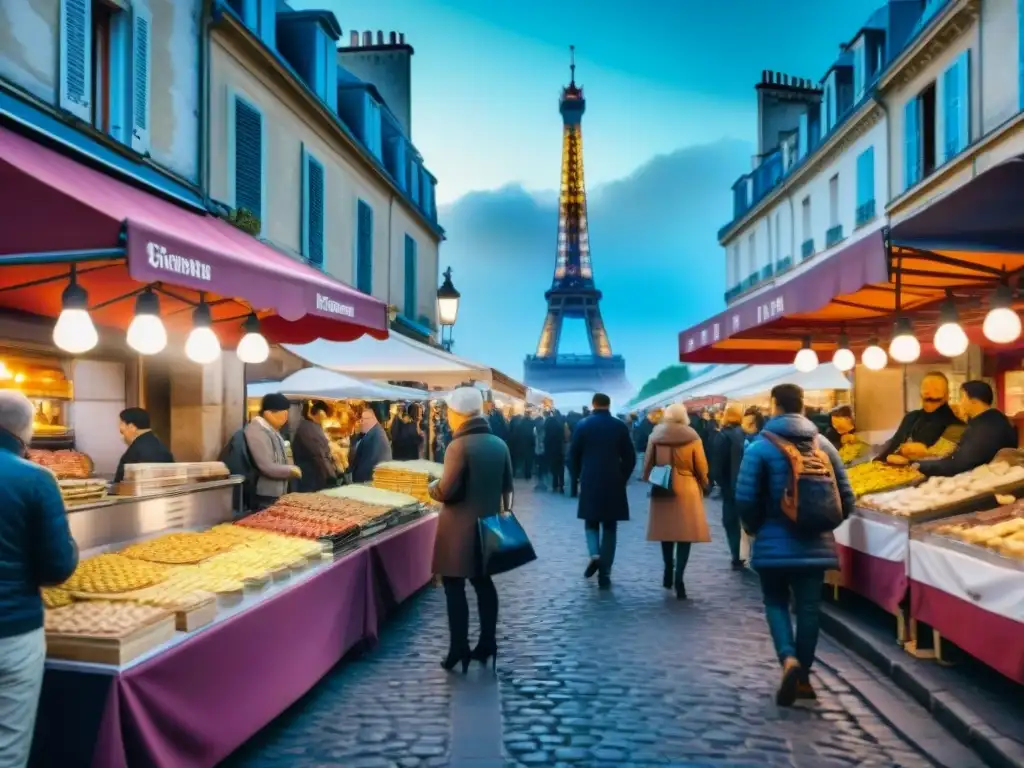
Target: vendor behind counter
column 988, row 432
column 922, row 428
column 144, row 447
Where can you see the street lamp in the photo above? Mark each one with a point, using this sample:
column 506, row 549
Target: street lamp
column 447, row 308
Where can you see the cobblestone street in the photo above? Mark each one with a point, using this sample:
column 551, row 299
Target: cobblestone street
column 630, row 677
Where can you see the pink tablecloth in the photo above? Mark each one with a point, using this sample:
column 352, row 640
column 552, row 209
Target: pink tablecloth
column 883, row 582
column 199, row 701
column 402, row 563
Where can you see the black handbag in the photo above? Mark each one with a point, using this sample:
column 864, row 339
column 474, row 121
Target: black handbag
column 504, row 545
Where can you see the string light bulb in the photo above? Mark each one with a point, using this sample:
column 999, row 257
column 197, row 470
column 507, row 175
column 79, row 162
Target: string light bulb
column 202, row 345
column 806, row 359
column 950, row 338
column 252, row 347
column 74, row 331
column 874, row 357
column 146, row 334
column 843, row 358
column 904, row 347
column 1002, row 324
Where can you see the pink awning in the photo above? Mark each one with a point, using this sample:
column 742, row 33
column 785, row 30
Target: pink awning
column 52, row 203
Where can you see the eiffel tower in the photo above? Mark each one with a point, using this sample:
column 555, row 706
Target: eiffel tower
column 573, row 293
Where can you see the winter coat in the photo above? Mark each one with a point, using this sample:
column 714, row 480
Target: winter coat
column 498, row 425
column 36, row 548
column 312, row 451
column 602, row 457
column 266, row 446
column 145, row 449
column 921, row 427
column 641, row 434
column 728, row 456
column 371, row 450
column 765, row 475
column 405, row 440
column 986, row 434
column 476, row 483
column 679, row 517
column 554, row 436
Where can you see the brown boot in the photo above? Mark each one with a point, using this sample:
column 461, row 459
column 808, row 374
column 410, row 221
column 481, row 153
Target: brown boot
column 805, row 691
column 786, row 694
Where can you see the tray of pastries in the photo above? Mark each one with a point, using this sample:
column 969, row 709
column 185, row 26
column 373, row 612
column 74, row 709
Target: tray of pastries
column 100, row 618
column 82, row 491
column 877, row 476
column 55, row 597
column 65, row 464
column 941, row 494
column 1003, row 536
column 113, row 573
column 178, row 548
column 375, row 497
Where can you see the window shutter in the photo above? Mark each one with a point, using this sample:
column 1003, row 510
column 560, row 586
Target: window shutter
column 76, row 57
column 410, row 277
column 142, row 57
column 803, row 135
column 964, row 100
column 364, row 248
column 911, row 144
column 248, row 158
column 313, row 210
column 866, row 177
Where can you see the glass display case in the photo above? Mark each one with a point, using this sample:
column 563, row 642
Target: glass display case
column 44, row 382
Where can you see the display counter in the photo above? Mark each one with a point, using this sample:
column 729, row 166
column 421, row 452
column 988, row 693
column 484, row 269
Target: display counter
column 224, row 682
column 121, row 519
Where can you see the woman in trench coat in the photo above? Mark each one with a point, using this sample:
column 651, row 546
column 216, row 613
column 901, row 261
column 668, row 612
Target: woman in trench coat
column 476, row 483
column 677, row 520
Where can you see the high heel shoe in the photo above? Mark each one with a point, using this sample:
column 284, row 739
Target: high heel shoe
column 455, row 658
column 482, row 653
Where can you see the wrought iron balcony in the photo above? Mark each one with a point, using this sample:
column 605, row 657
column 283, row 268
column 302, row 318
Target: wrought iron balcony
column 807, row 248
column 865, row 213
column 783, row 265
column 834, row 235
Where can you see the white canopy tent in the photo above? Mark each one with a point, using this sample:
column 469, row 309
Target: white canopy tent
column 680, row 392
column 321, row 383
column 824, row 377
column 399, row 358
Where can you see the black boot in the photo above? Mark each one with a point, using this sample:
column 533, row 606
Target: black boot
column 668, row 557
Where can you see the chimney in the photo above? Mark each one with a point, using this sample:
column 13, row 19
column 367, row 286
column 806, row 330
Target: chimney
column 353, row 39
column 392, row 38
column 367, row 38
column 380, row 37
column 401, row 38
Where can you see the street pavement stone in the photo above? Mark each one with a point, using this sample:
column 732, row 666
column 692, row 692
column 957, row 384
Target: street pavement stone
column 623, row 678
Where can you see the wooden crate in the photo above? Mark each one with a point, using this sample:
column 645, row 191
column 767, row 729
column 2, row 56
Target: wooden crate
column 117, row 651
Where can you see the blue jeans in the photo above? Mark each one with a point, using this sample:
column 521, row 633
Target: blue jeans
column 601, row 543
column 805, row 585
column 21, row 680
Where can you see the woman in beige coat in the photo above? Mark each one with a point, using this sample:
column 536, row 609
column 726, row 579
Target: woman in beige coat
column 677, row 520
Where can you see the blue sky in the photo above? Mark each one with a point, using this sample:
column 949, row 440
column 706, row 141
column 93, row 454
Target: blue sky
column 671, row 119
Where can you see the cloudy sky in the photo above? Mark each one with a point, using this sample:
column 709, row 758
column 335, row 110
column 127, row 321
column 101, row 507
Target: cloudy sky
column 670, row 124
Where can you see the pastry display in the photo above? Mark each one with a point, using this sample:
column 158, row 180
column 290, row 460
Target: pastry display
column 55, row 597
column 178, row 548
column 66, row 465
column 372, row 495
column 111, row 574
column 1004, row 536
column 409, row 477
column 81, row 491
column 284, row 520
column 942, row 447
column 941, row 491
column 874, row 476
column 99, row 618
column 852, row 451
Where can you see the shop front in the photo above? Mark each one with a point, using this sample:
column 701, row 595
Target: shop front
column 934, row 293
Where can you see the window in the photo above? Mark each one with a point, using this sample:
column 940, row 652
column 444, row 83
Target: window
column 860, row 66
column 410, row 278
column 778, row 236
column 260, row 16
column 957, row 106
column 414, row 181
column 805, row 215
column 771, row 240
column 833, row 201
column 312, row 209
column 364, row 247
column 372, row 131
column 246, row 180
column 751, row 256
column 105, row 65
column 865, row 186
column 427, row 193
column 919, row 137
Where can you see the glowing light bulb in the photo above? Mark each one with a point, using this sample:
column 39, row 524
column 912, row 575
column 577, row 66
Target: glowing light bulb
column 253, row 348
column 1002, row 325
column 146, row 334
column 202, row 346
column 844, row 359
column 74, row 331
column 806, row 360
column 950, row 340
column 874, row 358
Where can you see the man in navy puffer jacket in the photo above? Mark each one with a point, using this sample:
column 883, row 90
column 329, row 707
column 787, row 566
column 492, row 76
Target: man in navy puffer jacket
column 788, row 560
column 36, row 549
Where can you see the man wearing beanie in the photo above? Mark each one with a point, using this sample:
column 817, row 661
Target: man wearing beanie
column 266, row 446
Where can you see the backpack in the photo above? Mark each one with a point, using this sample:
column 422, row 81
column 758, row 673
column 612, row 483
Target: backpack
column 236, row 457
column 811, row 502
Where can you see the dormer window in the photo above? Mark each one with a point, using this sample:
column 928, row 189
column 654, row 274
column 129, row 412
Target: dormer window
column 260, row 16
column 306, row 40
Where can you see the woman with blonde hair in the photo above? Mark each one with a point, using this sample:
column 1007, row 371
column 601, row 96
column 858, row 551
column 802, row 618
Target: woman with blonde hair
column 677, row 516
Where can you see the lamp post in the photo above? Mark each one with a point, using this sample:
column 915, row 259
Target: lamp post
column 447, row 308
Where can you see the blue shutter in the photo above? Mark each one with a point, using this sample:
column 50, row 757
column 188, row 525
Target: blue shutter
column 866, row 176
column 410, row 278
column 312, row 210
column 957, row 106
column 76, row 57
column 911, row 143
column 142, row 58
column 364, row 248
column 266, row 25
column 964, row 99
column 414, row 181
column 247, row 156
column 803, row 135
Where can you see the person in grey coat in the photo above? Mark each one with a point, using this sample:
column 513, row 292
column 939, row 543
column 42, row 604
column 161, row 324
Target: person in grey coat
column 266, row 446
column 476, row 483
column 373, row 447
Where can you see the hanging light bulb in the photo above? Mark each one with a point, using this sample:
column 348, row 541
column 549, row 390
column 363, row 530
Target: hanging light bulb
column 202, row 346
column 950, row 339
column 843, row 359
column 74, row 331
column 806, row 359
column 904, row 347
column 874, row 357
column 146, row 334
column 253, row 347
column 1002, row 325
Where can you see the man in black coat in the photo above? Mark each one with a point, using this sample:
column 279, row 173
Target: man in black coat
column 988, row 432
column 554, row 449
column 922, row 428
column 573, row 421
column 144, row 447
column 726, row 463
column 603, row 458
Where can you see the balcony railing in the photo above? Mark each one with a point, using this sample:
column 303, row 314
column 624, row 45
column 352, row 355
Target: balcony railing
column 767, row 271
column 807, row 248
column 834, row 235
column 733, row 292
column 783, row 265
column 865, row 213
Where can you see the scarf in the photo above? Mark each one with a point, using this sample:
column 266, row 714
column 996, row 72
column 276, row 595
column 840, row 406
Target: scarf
column 276, row 441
